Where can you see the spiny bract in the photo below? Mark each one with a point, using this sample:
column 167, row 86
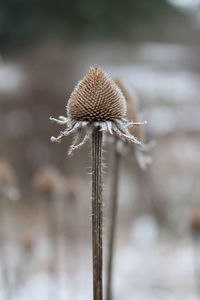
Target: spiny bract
column 96, row 98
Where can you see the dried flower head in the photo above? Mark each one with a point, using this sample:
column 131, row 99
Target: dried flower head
column 139, row 153
column 95, row 102
column 27, row 241
column 46, row 179
column 132, row 111
column 96, row 98
column 194, row 221
column 71, row 188
column 7, row 174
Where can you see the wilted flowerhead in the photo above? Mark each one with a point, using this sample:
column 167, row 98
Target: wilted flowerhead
column 71, row 188
column 7, row 174
column 46, row 179
column 27, row 241
column 95, row 102
column 139, row 153
column 132, row 110
column 8, row 181
column 194, row 222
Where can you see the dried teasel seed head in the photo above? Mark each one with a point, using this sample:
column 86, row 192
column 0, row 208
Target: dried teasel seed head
column 132, row 113
column 95, row 102
column 27, row 241
column 71, row 188
column 46, row 179
column 96, row 98
column 194, row 221
column 7, row 174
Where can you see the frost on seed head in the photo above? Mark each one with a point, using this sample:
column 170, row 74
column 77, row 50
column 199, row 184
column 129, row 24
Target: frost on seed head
column 96, row 98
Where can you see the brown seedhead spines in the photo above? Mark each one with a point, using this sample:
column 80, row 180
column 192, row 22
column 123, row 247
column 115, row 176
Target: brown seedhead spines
column 96, row 98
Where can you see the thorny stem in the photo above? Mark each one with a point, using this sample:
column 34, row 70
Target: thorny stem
column 113, row 219
column 97, row 213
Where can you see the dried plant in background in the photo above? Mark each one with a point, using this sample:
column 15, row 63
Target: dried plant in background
column 96, row 105
column 119, row 149
column 7, row 174
column 46, row 182
column 46, row 179
column 194, row 225
column 71, row 189
column 8, row 191
column 26, row 243
column 140, row 154
column 132, row 109
column 113, row 219
column 8, row 181
column 70, row 206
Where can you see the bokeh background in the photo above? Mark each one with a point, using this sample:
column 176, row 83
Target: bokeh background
column 45, row 215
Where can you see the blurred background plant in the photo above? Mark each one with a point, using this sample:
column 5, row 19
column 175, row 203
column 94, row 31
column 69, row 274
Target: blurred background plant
column 153, row 46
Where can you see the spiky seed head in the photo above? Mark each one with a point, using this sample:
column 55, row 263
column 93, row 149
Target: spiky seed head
column 132, row 113
column 96, row 98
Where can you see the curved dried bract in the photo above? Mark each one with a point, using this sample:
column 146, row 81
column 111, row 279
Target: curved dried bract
column 96, row 98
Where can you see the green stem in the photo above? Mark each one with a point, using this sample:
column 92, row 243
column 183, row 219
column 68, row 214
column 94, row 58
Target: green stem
column 113, row 219
column 97, row 215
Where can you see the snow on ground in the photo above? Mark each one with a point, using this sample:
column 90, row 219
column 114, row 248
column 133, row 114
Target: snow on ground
column 149, row 265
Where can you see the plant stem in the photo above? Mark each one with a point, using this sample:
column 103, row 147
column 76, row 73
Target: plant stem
column 5, row 220
column 196, row 242
column 113, row 219
column 52, row 227
column 97, row 217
